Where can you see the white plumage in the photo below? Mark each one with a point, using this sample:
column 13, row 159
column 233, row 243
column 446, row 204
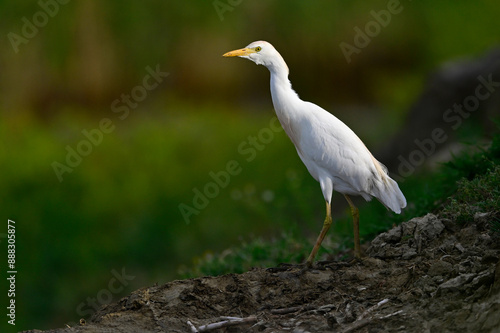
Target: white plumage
column 331, row 151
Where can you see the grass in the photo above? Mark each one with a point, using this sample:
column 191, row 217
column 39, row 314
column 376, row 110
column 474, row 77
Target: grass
column 256, row 252
column 478, row 188
column 479, row 195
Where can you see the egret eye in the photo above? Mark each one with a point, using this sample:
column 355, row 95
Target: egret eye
column 258, row 48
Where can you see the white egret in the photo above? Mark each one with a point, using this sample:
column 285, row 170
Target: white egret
column 331, row 151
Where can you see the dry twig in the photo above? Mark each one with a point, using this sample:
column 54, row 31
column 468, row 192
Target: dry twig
column 230, row 321
column 373, row 308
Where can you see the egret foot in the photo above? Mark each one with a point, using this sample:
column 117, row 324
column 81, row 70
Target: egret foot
column 356, row 260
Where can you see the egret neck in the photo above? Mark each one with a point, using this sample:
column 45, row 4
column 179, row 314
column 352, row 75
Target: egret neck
column 285, row 99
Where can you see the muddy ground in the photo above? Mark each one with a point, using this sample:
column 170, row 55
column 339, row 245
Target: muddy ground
column 426, row 275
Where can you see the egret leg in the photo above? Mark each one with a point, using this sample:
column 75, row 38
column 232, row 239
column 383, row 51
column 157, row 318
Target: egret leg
column 324, row 230
column 355, row 218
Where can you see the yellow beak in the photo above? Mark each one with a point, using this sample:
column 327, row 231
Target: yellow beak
column 238, row 53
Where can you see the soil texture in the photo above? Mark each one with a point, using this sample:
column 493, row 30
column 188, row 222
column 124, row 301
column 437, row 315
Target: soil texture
column 425, row 275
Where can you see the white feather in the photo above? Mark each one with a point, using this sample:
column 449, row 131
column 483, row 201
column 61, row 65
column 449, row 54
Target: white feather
column 331, row 151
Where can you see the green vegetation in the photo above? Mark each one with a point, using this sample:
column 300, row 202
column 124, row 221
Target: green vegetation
column 479, row 195
column 285, row 248
column 432, row 190
column 478, row 190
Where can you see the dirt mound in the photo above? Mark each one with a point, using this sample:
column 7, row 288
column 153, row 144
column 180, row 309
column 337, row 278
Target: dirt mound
column 426, row 275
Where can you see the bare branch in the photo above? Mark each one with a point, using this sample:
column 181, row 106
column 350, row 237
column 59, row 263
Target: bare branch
column 192, row 327
column 231, row 321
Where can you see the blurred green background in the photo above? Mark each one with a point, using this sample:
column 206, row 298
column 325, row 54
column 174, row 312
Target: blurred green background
column 118, row 210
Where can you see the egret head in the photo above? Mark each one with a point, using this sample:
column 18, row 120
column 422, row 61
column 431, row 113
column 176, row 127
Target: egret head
column 262, row 53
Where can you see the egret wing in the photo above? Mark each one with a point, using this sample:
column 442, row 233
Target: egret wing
column 329, row 146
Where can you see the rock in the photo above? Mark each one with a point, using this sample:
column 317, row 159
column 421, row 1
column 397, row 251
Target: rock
column 409, row 254
column 413, row 234
column 459, row 247
column 455, row 81
column 428, row 228
column 440, row 268
column 455, row 284
column 393, row 235
column 496, row 282
column 481, row 217
column 486, row 277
